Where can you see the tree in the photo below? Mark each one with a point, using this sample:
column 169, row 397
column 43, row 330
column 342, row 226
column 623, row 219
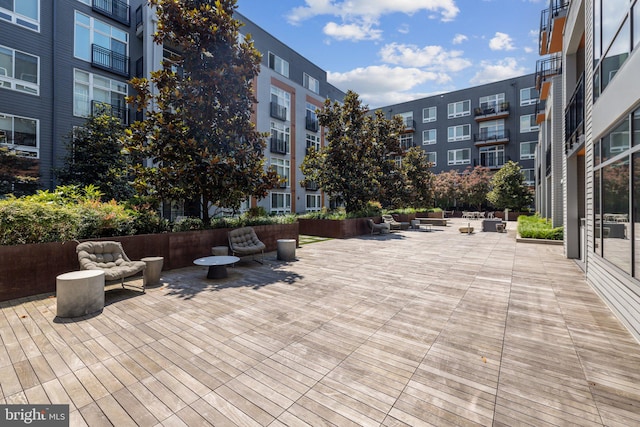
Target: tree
column 18, row 175
column 446, row 188
column 198, row 131
column 95, row 157
column 474, row 185
column 418, row 179
column 508, row 188
column 356, row 165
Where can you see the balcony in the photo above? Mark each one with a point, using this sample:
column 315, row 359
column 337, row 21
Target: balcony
column 492, row 111
column 278, row 111
column 574, row 118
column 540, row 112
column 311, row 186
column 99, row 108
column 545, row 69
column 409, row 124
column 492, row 160
column 491, row 137
column 311, row 123
column 552, row 20
column 109, row 60
column 279, row 145
column 114, row 9
column 139, row 21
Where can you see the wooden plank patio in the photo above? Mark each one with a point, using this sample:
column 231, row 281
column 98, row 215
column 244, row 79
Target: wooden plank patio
column 412, row 328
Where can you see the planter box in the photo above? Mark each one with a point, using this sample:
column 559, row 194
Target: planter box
column 430, row 214
column 32, row 269
column 404, row 217
column 336, row 229
column 513, row 216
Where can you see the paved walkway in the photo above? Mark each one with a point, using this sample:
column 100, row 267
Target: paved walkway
column 412, row 328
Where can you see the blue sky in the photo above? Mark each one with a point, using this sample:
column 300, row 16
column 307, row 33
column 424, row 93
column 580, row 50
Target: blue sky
column 391, row 51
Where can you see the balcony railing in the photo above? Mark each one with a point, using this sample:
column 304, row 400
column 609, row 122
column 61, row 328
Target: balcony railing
column 548, row 28
column 492, row 160
column 547, row 67
column 311, row 186
column 311, row 123
column 114, row 9
column 574, row 117
column 491, row 111
column 409, row 124
column 109, row 60
column 279, row 145
column 99, row 108
column 491, row 135
column 278, row 111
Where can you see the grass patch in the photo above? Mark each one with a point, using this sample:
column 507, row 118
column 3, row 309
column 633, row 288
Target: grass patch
column 535, row 227
column 305, row 240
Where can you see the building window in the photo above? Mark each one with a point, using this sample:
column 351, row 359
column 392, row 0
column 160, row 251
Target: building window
column 406, row 141
column 429, row 114
column 429, row 136
column 280, row 104
column 491, row 102
column 278, row 64
column 282, row 168
column 528, row 150
column 529, row 176
column 19, row 71
column 528, row 123
column 492, row 157
column 432, row 157
column 280, row 203
column 492, row 130
column 310, row 83
column 528, row 96
column 94, row 94
column 280, row 138
column 25, row 13
column 20, row 134
column 90, row 32
column 314, row 203
column 313, row 140
column 407, row 119
column 311, row 118
column 459, row 133
column 459, row 157
column 459, row 109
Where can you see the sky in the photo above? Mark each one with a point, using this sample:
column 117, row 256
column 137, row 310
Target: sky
column 392, row 51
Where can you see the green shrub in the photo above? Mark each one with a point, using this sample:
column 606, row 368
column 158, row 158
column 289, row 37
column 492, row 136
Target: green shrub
column 249, row 220
column 535, row 227
column 23, row 221
column 187, row 224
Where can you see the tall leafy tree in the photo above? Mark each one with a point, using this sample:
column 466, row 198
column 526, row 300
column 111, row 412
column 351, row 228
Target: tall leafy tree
column 198, row 131
column 356, row 165
column 446, row 188
column 417, row 180
column 474, row 185
column 508, row 188
column 95, row 157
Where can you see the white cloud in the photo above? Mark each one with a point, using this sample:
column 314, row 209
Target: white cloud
column 435, row 58
column 403, row 29
column 501, row 70
column 382, row 84
column 354, row 32
column 459, row 38
column 529, row 49
column 501, row 41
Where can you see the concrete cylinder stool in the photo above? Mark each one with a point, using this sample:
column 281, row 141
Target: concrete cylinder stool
column 286, row 249
column 152, row 270
column 79, row 293
column 220, row 251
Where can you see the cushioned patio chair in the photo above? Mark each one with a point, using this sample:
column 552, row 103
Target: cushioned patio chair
column 393, row 224
column 244, row 241
column 109, row 257
column 382, row 228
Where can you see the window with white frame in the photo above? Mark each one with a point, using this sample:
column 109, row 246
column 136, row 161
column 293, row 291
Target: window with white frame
column 529, row 176
column 528, row 96
column 19, row 71
column 432, row 157
column 20, row 134
column 104, row 92
column 278, row 64
column 407, row 119
column 429, row 136
column 459, row 157
column 459, row 133
column 314, row 203
column 90, row 31
column 282, row 99
column 25, row 13
column 459, row 109
column 429, row 114
column 406, row 141
column 313, row 140
column 492, row 156
column 491, row 101
column 280, row 203
column 528, row 123
column 492, row 129
column 528, row 150
column 280, row 134
column 310, row 83
column 282, row 168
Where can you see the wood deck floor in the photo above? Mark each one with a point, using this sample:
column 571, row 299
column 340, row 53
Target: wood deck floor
column 412, row 328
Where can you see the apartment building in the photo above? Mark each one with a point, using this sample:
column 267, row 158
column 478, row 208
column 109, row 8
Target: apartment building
column 485, row 125
column 63, row 60
column 597, row 42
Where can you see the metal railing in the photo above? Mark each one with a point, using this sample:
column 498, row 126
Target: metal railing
column 109, row 60
column 114, row 9
column 278, row 111
column 574, row 116
column 279, row 145
column 409, row 123
column 311, row 186
column 491, row 135
column 99, row 108
column 311, row 123
column 493, row 108
column 546, row 68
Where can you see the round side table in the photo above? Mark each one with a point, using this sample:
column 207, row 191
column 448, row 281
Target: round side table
column 79, row 293
column 152, row 270
column 286, row 249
